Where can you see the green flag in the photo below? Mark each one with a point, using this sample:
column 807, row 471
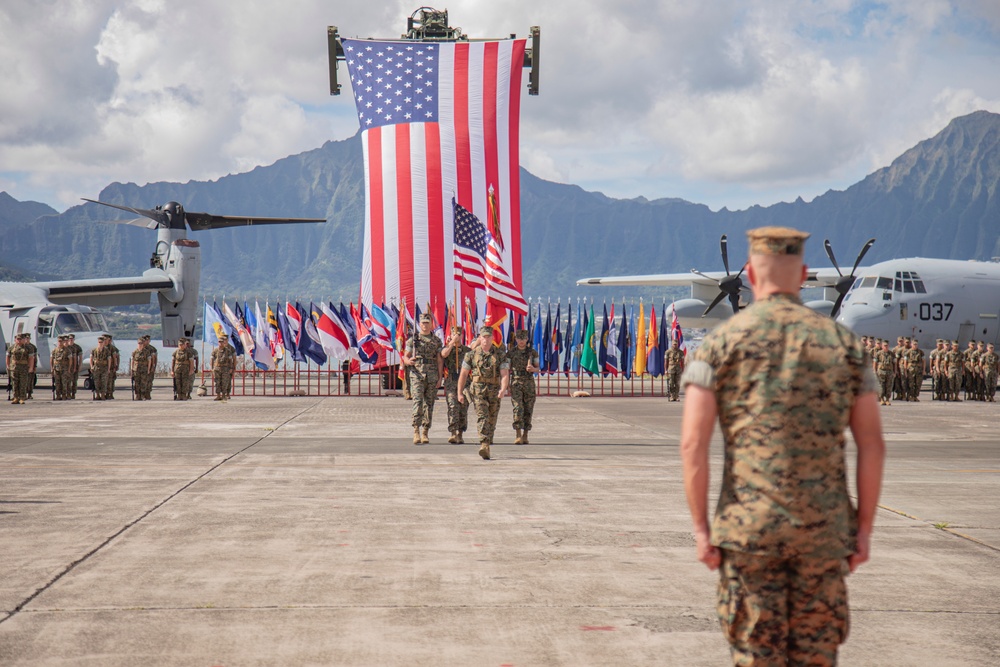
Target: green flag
column 588, row 358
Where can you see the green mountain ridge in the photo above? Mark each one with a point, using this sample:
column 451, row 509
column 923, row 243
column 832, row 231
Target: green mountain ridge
column 938, row 199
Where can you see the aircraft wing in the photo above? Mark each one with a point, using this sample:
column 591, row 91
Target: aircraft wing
column 656, row 279
column 108, row 291
column 202, row 221
column 823, row 277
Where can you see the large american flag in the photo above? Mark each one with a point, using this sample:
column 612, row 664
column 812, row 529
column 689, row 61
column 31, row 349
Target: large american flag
column 438, row 121
column 479, row 262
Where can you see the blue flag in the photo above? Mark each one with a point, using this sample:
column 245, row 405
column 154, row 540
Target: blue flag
column 545, row 354
column 568, row 338
column 537, row 338
column 602, row 352
column 288, row 340
column 573, row 346
column 624, row 337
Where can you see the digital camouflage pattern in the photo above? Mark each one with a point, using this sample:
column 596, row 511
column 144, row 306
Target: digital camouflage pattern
column 484, row 371
column 142, row 375
column 785, row 379
column 816, row 622
column 18, row 364
column 77, row 362
column 885, row 369
column 673, row 362
column 100, row 359
column 522, row 385
column 61, row 364
column 989, row 362
column 183, row 377
column 223, row 366
column 425, row 351
column 954, row 362
column 458, row 413
column 114, row 356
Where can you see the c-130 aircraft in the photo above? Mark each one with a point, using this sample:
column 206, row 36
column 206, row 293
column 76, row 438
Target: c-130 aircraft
column 48, row 309
column 925, row 298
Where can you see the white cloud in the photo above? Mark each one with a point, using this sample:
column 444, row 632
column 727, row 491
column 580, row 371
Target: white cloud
column 729, row 100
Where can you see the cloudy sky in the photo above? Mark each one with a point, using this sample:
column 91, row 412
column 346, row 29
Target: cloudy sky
column 727, row 103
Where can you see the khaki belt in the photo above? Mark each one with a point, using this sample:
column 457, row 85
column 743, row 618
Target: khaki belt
column 479, row 380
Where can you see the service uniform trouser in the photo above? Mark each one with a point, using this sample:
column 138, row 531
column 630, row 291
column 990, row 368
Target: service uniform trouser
column 674, row 384
column 458, row 412
column 60, row 381
column 423, row 389
column 954, row 384
column 19, row 379
column 223, row 379
column 99, row 378
column 487, row 396
column 886, row 381
column 522, row 394
column 779, row 612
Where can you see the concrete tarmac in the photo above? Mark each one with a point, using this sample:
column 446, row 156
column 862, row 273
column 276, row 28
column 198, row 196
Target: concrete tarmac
column 309, row 531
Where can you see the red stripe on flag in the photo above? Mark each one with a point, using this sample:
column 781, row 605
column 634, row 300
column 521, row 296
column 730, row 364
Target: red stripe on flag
column 404, row 215
column 490, row 120
column 463, row 141
column 435, row 217
column 377, row 213
column 515, row 160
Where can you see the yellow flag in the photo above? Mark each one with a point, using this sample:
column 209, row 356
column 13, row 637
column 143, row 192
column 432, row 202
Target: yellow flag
column 639, row 367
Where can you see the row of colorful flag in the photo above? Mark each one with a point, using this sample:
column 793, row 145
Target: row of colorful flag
column 624, row 344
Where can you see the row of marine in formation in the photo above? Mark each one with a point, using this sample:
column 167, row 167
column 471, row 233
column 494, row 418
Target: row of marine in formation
column 901, row 370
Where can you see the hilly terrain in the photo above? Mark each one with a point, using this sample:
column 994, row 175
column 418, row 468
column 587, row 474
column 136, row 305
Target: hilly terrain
column 938, row 199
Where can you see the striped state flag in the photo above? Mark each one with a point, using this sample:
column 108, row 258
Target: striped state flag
column 438, row 120
column 478, row 262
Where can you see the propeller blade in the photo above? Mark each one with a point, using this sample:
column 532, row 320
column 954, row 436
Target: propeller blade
column 137, row 222
column 829, row 253
column 203, row 221
column 156, row 216
column 734, row 300
column 723, row 245
column 719, row 297
column 861, row 255
column 836, row 305
column 699, row 273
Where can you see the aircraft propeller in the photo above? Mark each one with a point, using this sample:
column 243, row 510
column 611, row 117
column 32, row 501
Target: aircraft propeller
column 173, row 216
column 843, row 284
column 729, row 286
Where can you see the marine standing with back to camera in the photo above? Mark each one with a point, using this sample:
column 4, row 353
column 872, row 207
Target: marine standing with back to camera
column 784, row 383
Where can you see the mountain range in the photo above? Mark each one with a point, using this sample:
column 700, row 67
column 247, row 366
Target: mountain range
column 938, row 199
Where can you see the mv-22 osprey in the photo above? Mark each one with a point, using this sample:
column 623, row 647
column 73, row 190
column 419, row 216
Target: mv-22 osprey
column 917, row 297
column 48, row 309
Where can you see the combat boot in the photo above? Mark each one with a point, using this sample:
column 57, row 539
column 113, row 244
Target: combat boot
column 423, row 438
column 459, row 439
column 484, row 450
column 416, row 435
column 517, row 436
column 524, row 438
column 453, row 438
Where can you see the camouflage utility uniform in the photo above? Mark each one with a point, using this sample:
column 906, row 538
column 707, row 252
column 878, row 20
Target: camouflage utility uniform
column 914, row 372
column 989, row 362
column 100, row 360
column 425, row 351
column 458, row 411
column 954, row 362
column 61, row 363
column 183, row 359
column 114, row 363
column 19, row 363
column 223, row 367
column 522, row 388
column 674, row 365
column 33, row 374
column 143, row 367
column 77, row 363
column 884, row 362
column 485, row 372
column 785, row 379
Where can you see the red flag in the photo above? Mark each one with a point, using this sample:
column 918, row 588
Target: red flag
column 437, row 120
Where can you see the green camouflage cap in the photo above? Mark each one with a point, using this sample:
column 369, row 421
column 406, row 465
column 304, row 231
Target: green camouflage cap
column 486, row 330
column 522, row 334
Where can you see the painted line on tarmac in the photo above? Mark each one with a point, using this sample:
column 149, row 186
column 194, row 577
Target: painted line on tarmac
column 69, row 568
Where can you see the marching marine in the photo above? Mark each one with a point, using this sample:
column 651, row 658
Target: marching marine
column 423, row 358
column 223, row 368
column 674, row 365
column 458, row 412
column 20, row 366
column 523, row 365
column 489, row 370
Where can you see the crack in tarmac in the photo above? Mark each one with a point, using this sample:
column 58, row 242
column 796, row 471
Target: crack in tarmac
column 69, row 568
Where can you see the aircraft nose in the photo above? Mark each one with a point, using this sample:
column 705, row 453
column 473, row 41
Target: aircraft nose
column 855, row 315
